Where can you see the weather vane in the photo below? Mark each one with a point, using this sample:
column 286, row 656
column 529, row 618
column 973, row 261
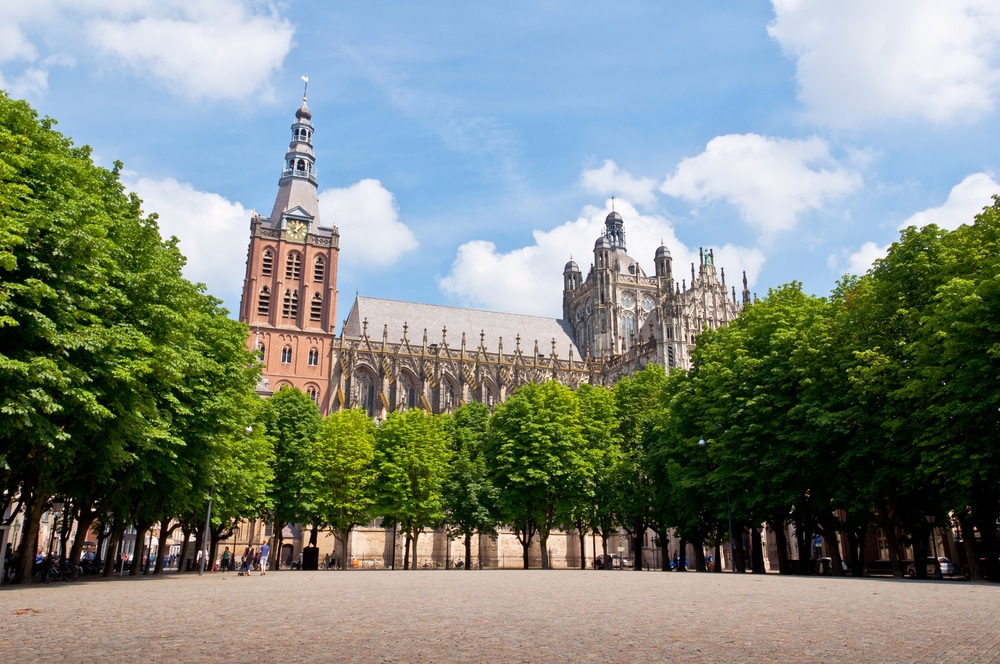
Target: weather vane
column 306, row 87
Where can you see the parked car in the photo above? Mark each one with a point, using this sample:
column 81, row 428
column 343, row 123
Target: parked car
column 947, row 569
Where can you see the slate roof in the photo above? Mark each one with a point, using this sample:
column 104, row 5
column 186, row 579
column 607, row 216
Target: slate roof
column 472, row 322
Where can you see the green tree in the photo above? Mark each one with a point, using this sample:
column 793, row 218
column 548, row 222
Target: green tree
column 291, row 421
column 469, row 495
column 412, row 457
column 343, row 473
column 537, row 461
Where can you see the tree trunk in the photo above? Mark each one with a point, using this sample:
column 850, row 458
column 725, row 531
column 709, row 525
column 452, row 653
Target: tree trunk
column 186, row 536
column 84, row 521
column 406, row 550
column 543, row 542
column 468, row 550
column 161, row 547
column 757, row 551
column 314, row 535
column 33, row 508
column 637, row 541
column 802, row 538
column 985, row 517
column 114, row 544
column 699, row 559
column 781, row 544
column 139, row 551
column 199, row 546
column 682, row 557
column 717, row 565
column 583, row 544
column 278, row 541
column 416, row 537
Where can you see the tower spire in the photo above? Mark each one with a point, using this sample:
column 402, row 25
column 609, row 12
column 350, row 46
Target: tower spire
column 297, row 189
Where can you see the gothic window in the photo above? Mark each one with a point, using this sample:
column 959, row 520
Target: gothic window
column 316, row 308
column 263, row 301
column 286, row 355
column 366, row 392
column 290, row 309
column 313, row 393
column 260, row 352
column 267, row 263
column 294, row 267
column 313, row 357
column 319, row 269
column 628, row 329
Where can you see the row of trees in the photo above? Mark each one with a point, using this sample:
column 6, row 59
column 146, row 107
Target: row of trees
column 876, row 408
column 125, row 390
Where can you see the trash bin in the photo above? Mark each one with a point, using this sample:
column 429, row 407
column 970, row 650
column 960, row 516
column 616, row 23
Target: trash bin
column 310, row 558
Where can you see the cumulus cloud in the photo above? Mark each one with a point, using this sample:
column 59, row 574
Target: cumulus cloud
column 204, row 50
column 608, row 180
column 211, row 49
column 965, row 201
column 860, row 62
column 212, row 230
column 371, row 234
column 528, row 279
column 861, row 260
column 770, row 180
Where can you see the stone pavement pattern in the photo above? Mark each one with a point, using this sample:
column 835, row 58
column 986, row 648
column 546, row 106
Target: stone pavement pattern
column 500, row 616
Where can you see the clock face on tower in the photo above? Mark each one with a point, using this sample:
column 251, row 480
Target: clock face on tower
column 296, row 230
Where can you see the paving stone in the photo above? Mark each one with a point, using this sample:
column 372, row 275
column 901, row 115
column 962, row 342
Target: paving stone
column 504, row 616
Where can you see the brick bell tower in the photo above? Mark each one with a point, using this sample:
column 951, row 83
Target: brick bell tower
column 290, row 290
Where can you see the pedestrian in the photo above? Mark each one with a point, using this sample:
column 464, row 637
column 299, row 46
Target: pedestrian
column 225, row 560
column 264, row 551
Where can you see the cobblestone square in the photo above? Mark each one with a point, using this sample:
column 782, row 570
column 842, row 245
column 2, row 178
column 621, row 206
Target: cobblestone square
column 500, row 616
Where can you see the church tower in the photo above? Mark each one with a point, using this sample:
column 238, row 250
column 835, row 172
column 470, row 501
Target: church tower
column 290, row 290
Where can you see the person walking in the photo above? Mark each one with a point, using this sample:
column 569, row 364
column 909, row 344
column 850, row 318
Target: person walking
column 264, row 551
column 225, row 560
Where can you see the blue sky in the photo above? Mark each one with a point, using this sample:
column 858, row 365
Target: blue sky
column 467, row 150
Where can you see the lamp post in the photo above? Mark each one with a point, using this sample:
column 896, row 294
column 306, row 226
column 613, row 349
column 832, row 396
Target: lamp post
column 729, row 512
column 931, row 518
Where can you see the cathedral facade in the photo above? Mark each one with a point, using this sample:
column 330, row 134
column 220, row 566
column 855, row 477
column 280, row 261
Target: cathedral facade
column 394, row 355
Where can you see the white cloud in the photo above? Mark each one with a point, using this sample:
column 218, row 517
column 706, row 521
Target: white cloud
column 371, row 234
column 860, row 62
column 861, row 260
column 608, row 180
column 217, row 50
column 770, row 180
column 213, row 232
column 210, row 49
column 965, row 201
column 528, row 279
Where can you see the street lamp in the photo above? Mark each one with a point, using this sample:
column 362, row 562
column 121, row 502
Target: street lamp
column 729, row 512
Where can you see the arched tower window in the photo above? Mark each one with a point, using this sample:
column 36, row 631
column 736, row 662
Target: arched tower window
column 294, row 266
column 316, row 308
column 291, row 304
column 286, row 355
column 319, row 269
column 260, row 352
column 267, row 263
column 313, row 394
column 313, row 357
column 263, row 301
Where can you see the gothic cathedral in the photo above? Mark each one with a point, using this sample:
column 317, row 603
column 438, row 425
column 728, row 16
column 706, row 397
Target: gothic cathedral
column 394, row 355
